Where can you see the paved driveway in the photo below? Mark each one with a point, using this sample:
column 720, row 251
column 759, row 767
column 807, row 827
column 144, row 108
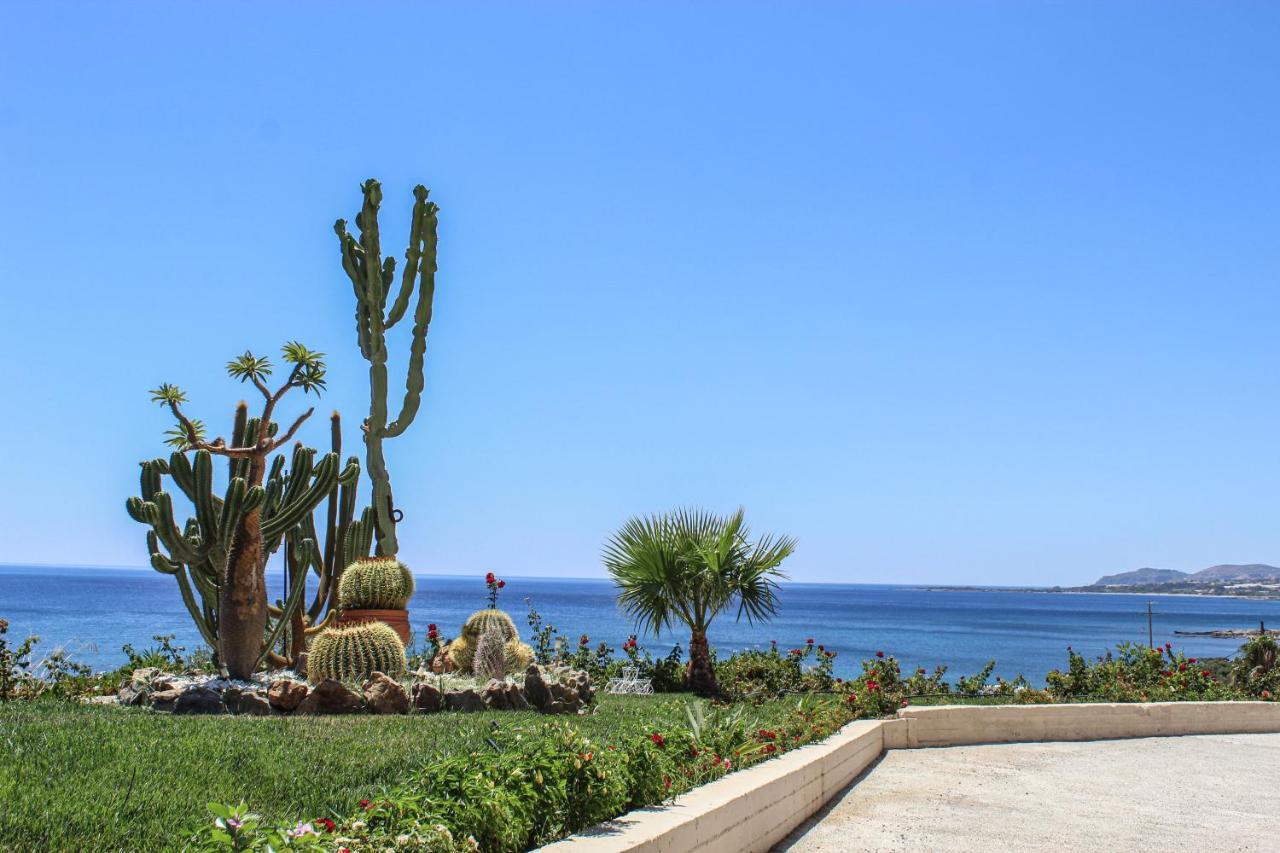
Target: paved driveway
column 1196, row 793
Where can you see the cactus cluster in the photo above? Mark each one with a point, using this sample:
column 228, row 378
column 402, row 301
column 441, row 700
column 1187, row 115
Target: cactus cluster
column 375, row 583
column 463, row 650
column 195, row 553
column 351, row 654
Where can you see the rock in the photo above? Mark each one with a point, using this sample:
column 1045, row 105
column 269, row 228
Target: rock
column 286, row 694
column 535, row 687
column 102, row 700
column 554, row 707
column 495, row 696
column 138, row 689
column 250, row 702
column 385, row 695
column 515, row 697
column 426, row 698
column 164, row 700
column 331, row 697
column 464, row 700
column 564, row 693
column 198, row 699
column 166, row 682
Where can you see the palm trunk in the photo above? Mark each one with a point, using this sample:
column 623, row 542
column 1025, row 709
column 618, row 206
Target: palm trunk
column 700, row 675
column 242, row 609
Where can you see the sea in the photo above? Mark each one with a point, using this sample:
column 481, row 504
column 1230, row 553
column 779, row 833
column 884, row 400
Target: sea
column 93, row 612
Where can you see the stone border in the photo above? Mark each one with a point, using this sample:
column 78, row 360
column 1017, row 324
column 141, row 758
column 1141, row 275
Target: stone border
column 755, row 809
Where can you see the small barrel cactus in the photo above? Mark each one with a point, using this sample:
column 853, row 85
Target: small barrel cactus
column 351, row 654
column 462, row 651
column 375, row 583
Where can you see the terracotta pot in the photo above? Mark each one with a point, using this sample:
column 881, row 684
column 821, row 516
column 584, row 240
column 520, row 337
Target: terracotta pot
column 397, row 619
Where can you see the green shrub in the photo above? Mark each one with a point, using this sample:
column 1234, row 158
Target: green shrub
column 375, row 583
column 758, row 675
column 1257, row 669
column 351, row 654
column 1135, row 673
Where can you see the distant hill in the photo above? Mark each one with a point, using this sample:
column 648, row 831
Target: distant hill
column 1226, row 572
column 1142, row 576
column 1251, row 572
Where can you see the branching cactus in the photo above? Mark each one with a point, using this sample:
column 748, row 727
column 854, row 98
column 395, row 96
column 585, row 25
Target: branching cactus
column 373, row 276
column 375, row 583
column 351, row 654
column 255, row 512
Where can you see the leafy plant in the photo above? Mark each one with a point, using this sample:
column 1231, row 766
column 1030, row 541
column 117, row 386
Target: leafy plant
column 687, row 567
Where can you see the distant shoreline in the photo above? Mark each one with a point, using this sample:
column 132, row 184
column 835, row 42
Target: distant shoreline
column 1085, row 590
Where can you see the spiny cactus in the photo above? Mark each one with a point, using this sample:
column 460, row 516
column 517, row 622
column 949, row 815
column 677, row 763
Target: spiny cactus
column 375, row 583
column 462, row 651
column 351, row 654
column 482, row 620
column 490, row 658
column 196, row 554
column 372, row 277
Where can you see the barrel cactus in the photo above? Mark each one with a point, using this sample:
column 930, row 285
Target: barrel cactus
column 351, row 654
column 462, row 651
column 375, row 583
column 491, row 656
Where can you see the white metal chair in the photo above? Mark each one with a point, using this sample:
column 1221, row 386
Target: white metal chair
column 629, row 683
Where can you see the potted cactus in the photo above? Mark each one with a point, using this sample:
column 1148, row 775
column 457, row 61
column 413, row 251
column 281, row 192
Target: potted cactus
column 376, row 589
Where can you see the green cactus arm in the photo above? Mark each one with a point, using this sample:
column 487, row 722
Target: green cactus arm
column 412, row 255
column 200, row 615
column 297, row 586
column 415, row 377
column 202, row 493
column 160, row 516
column 324, row 476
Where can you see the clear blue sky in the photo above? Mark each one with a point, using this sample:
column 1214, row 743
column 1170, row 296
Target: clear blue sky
column 951, row 292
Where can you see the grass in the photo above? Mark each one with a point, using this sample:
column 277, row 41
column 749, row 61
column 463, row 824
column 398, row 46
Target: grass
column 77, row 777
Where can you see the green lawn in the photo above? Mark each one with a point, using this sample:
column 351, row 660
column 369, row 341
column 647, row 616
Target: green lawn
column 77, row 777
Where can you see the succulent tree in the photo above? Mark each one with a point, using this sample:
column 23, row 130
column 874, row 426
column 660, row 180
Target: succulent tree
column 373, row 276
column 242, row 598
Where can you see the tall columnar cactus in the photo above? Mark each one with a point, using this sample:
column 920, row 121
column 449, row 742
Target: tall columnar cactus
column 351, row 654
column 242, row 598
column 375, row 583
column 372, row 276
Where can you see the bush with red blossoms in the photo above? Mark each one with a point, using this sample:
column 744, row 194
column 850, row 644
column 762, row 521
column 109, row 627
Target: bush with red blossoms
column 1135, row 673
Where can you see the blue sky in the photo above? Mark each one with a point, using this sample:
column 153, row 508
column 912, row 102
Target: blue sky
column 959, row 293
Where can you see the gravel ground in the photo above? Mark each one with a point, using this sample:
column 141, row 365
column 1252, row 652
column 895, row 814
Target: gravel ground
column 1197, row 793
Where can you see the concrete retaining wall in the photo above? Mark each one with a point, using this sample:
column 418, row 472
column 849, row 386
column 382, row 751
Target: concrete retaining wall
column 756, row 808
column 955, row 725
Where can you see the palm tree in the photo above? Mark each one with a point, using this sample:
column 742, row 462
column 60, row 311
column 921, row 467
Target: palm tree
column 689, row 565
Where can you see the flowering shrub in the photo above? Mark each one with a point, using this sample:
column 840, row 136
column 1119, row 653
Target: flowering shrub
column 759, row 675
column 1135, row 673
column 531, row 785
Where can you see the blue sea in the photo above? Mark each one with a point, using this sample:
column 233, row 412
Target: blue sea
column 93, row 612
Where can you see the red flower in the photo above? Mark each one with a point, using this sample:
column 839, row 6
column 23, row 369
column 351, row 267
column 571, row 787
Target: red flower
column 768, row 747
column 666, row 781
column 852, row 697
column 501, row 584
column 904, row 703
column 658, row 739
column 325, row 823
column 765, row 734
column 1206, row 673
column 1182, row 667
column 489, row 578
column 839, row 681
column 583, row 640
column 809, row 642
column 879, row 654
column 1191, row 660
column 366, row 805
column 871, row 685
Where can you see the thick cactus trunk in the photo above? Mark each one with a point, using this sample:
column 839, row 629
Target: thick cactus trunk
column 700, row 676
column 242, row 615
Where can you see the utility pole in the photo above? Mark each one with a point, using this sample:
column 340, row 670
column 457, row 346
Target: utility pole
column 1151, row 642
